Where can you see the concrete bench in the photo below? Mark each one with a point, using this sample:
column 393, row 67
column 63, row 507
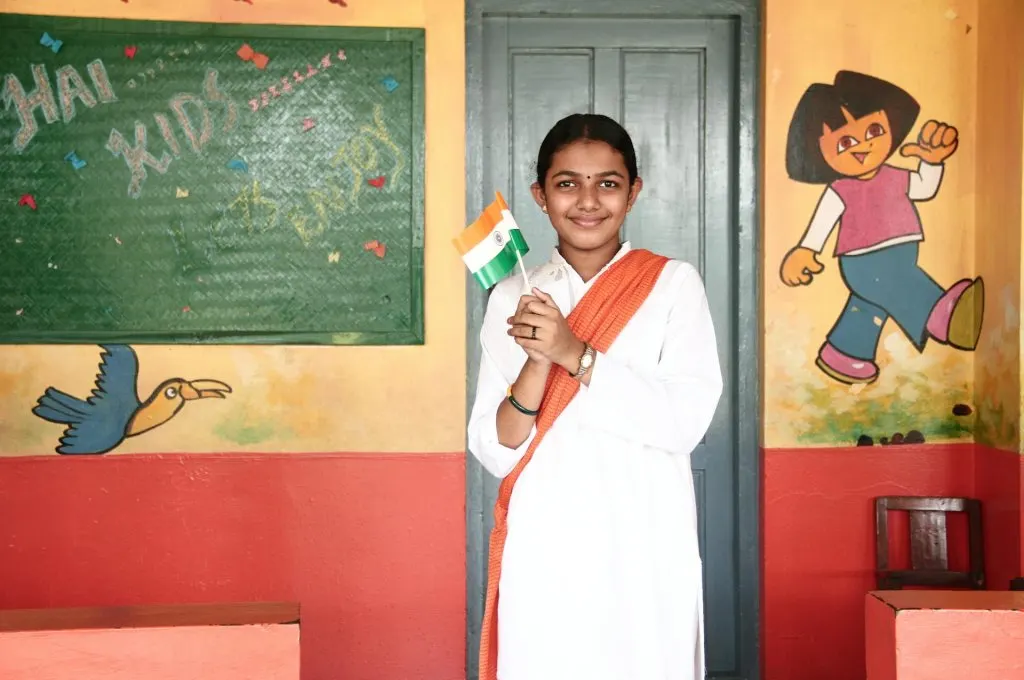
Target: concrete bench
column 251, row 641
column 940, row 634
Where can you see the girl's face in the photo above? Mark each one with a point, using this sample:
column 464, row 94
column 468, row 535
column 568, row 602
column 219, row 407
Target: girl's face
column 859, row 147
column 587, row 194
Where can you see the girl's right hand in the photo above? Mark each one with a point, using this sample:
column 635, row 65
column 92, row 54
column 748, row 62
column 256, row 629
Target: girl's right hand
column 799, row 267
column 533, row 355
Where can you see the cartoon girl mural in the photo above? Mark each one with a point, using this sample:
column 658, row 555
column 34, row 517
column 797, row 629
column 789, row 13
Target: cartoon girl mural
column 841, row 135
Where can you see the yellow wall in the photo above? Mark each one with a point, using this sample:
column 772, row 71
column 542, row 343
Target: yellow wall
column 998, row 218
column 312, row 399
column 928, row 48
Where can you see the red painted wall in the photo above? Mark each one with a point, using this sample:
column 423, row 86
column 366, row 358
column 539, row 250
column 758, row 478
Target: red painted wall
column 998, row 479
column 372, row 546
column 819, row 546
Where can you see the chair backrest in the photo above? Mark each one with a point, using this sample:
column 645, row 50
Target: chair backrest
column 929, row 550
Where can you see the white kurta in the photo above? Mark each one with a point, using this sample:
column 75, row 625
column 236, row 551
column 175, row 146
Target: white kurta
column 601, row 575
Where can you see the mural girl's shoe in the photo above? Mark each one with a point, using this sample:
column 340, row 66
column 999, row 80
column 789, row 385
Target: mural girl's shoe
column 845, row 368
column 957, row 316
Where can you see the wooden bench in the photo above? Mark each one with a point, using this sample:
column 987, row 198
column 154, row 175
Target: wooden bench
column 940, row 634
column 249, row 641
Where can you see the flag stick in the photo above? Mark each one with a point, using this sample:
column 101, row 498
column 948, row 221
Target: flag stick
column 526, row 279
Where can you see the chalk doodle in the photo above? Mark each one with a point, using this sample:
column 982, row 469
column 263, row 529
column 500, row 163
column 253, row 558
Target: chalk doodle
column 70, row 86
column 287, row 86
column 158, row 64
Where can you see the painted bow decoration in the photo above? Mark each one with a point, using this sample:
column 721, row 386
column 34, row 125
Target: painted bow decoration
column 247, row 53
column 76, row 162
column 47, row 41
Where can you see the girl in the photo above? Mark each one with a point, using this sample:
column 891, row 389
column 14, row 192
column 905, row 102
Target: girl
column 593, row 390
column 841, row 135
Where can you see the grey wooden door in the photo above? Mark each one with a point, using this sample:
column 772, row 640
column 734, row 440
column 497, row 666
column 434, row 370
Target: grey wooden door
column 673, row 83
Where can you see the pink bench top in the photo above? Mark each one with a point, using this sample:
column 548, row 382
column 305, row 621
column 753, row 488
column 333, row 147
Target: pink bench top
column 972, row 600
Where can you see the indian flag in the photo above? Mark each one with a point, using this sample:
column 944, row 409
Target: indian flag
column 493, row 244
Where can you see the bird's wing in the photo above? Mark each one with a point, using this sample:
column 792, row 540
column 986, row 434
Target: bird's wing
column 99, row 422
column 116, row 381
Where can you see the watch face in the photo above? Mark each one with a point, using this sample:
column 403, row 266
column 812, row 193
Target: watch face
column 587, row 360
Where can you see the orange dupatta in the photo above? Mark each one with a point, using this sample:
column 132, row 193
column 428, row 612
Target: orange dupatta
column 598, row 318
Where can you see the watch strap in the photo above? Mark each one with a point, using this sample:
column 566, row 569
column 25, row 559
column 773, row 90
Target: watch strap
column 588, row 351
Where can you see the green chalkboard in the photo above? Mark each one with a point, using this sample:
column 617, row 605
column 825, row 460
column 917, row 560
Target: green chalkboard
column 190, row 182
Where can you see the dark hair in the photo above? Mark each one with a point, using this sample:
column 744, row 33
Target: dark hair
column 590, row 126
column 859, row 94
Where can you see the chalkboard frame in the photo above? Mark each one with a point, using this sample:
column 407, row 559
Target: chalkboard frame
column 415, row 37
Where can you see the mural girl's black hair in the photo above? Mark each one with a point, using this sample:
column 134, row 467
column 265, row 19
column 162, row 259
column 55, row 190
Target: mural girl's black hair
column 590, row 126
column 859, row 94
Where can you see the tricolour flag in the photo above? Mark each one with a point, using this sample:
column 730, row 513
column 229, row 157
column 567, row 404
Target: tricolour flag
column 492, row 245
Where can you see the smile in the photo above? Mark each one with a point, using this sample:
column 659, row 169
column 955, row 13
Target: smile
column 860, row 156
column 587, row 222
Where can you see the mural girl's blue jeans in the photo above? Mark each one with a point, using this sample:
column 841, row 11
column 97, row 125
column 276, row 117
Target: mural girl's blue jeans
column 883, row 284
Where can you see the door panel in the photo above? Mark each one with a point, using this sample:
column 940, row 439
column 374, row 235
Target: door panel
column 672, row 83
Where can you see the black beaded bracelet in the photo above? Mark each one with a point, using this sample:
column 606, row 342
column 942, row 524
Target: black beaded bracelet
column 519, row 407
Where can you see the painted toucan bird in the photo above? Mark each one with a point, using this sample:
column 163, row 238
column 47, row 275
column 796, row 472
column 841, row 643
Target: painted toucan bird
column 114, row 412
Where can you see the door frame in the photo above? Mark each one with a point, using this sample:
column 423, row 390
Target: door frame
column 746, row 215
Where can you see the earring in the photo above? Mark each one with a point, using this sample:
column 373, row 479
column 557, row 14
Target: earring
column 544, row 208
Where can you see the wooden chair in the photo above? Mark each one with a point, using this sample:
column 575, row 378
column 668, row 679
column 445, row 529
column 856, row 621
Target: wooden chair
column 929, row 556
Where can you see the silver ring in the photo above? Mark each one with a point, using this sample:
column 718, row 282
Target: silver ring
column 533, row 332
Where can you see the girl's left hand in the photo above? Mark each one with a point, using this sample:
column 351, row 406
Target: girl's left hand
column 553, row 337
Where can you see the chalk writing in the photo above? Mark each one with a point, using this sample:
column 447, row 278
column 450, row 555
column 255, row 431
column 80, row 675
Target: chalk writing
column 167, row 133
column 70, row 86
column 197, row 138
column 361, row 157
column 258, row 213
column 137, row 157
column 359, row 154
column 198, row 134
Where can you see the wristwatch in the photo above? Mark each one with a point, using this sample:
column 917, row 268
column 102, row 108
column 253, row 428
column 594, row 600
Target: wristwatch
column 586, row 361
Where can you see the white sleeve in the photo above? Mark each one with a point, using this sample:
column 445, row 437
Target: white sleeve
column 830, row 209
column 492, row 386
column 925, row 182
column 671, row 407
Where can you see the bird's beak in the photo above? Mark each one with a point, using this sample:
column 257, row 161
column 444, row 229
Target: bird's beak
column 204, row 389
